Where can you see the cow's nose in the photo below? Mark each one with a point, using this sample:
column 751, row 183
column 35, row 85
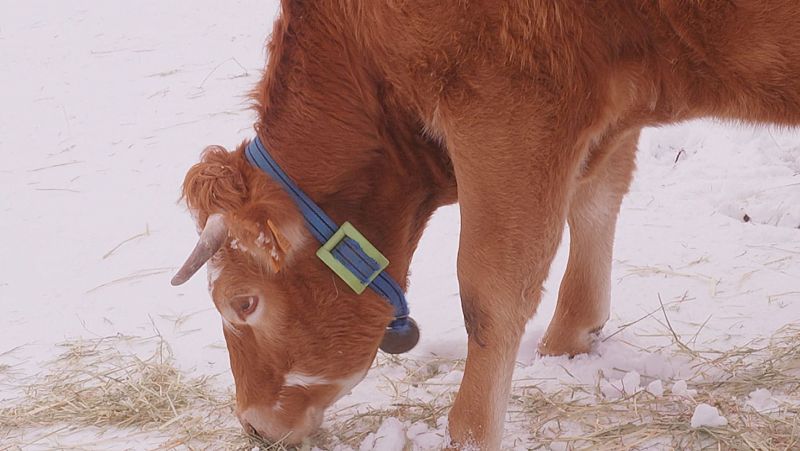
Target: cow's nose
column 256, row 423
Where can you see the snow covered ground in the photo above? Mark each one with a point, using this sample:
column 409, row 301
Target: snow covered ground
column 104, row 107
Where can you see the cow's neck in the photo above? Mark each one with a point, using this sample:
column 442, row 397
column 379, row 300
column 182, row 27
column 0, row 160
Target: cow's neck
column 331, row 123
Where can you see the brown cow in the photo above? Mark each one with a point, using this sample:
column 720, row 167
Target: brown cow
column 525, row 112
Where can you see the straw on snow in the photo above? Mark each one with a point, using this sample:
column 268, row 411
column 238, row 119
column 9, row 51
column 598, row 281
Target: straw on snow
column 581, row 417
column 94, row 383
column 577, row 416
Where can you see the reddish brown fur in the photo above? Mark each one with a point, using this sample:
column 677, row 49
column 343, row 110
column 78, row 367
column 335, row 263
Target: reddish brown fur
column 376, row 108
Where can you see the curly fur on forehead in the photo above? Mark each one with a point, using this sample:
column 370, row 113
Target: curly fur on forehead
column 217, row 183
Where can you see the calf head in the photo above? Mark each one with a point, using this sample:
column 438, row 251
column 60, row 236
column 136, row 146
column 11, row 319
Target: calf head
column 298, row 338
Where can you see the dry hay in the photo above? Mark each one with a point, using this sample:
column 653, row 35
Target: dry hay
column 104, row 383
column 582, row 417
column 94, row 383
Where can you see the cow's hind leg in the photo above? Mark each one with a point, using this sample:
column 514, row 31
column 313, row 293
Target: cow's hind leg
column 584, row 297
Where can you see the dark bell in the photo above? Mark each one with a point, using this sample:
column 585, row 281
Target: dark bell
column 400, row 338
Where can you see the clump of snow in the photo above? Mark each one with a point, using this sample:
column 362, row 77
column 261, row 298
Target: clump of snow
column 262, row 240
column 679, row 388
column 631, row 383
column 611, row 389
column 391, row 436
column 237, row 245
column 656, row 388
column 707, row 416
column 762, row 401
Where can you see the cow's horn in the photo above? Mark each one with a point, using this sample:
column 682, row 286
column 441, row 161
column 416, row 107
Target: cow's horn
column 211, row 239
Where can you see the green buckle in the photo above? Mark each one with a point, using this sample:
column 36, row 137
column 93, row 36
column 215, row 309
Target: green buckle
column 325, row 254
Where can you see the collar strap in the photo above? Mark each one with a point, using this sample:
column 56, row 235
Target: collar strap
column 344, row 249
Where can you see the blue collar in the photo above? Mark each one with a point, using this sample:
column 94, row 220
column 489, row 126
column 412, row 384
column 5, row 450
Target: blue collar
column 345, row 250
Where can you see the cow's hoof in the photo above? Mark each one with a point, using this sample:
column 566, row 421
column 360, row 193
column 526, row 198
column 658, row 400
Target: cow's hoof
column 557, row 344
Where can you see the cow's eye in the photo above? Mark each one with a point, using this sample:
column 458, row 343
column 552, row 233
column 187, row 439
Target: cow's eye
column 245, row 305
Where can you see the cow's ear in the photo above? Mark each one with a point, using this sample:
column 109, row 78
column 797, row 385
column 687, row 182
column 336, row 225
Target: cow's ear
column 281, row 246
column 270, row 234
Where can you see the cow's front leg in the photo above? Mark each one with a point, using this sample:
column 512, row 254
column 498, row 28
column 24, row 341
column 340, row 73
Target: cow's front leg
column 513, row 192
column 585, row 295
column 495, row 320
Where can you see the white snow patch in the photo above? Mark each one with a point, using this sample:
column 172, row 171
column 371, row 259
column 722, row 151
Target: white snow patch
column 416, row 429
column 391, row 436
column 453, row 377
column 424, row 438
column 707, row 416
column 262, row 239
column 631, row 383
column 237, row 245
column 616, row 388
column 680, row 388
column 656, row 388
column 762, row 401
column 611, row 389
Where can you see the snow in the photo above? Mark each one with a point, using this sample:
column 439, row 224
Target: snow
column 631, row 383
column 680, row 388
column 707, row 416
column 422, row 437
column 391, row 436
column 762, row 401
column 656, row 388
column 106, row 105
